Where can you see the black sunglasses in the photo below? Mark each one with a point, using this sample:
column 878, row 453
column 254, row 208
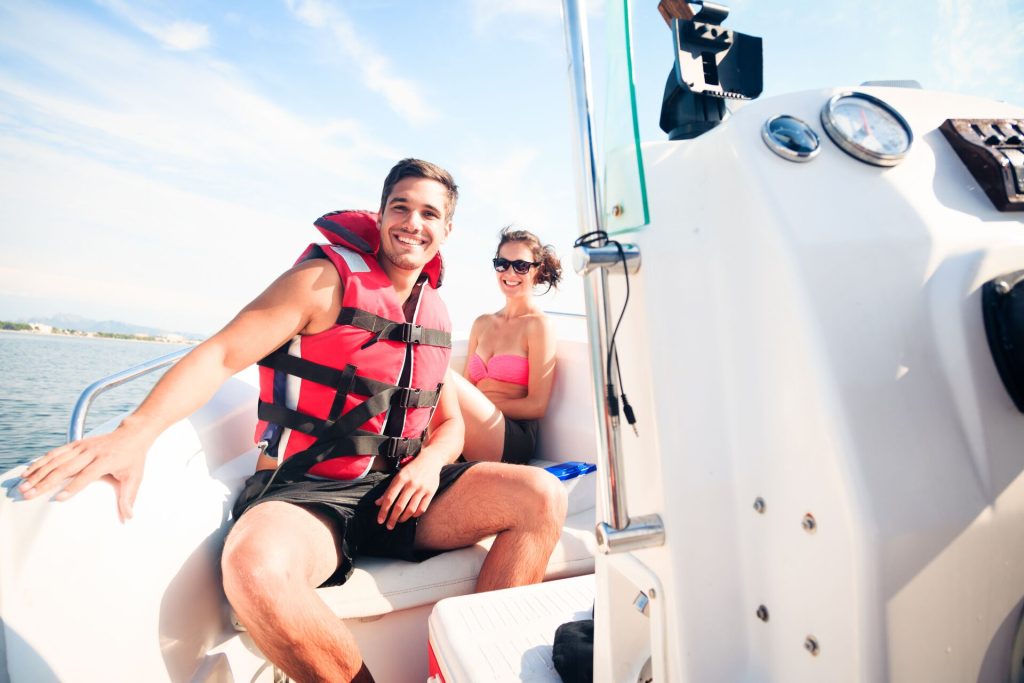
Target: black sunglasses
column 521, row 267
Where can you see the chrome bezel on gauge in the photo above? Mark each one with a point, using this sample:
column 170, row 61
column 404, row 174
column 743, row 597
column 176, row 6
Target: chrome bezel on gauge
column 854, row 149
column 780, row 148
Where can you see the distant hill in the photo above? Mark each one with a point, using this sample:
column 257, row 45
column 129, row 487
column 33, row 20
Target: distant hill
column 70, row 321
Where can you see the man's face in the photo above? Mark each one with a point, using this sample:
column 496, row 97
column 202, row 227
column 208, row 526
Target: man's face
column 414, row 224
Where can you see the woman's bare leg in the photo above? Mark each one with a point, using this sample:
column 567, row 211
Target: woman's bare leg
column 485, row 425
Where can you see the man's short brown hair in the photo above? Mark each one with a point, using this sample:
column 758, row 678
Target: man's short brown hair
column 417, row 168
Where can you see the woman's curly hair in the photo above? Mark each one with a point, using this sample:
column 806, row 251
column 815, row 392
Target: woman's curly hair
column 549, row 272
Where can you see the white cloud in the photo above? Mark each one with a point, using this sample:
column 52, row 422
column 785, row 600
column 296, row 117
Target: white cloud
column 516, row 186
column 402, row 95
column 169, row 189
column 81, row 231
column 153, row 183
column 174, row 34
column 183, row 35
column 545, row 12
column 974, row 43
column 486, row 11
column 202, row 118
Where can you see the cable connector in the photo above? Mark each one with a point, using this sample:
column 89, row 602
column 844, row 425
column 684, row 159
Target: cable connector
column 613, row 404
column 630, row 417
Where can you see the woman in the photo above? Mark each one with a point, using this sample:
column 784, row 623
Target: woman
column 510, row 363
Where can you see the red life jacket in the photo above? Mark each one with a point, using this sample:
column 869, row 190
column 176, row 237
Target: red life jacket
column 366, row 387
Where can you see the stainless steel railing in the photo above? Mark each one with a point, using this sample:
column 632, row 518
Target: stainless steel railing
column 76, row 429
column 617, row 534
column 588, row 208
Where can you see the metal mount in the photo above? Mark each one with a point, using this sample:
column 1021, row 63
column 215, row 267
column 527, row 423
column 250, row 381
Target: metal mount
column 586, row 258
column 645, row 531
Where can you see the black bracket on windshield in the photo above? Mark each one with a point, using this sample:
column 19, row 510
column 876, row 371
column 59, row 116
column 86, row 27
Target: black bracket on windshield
column 712, row 64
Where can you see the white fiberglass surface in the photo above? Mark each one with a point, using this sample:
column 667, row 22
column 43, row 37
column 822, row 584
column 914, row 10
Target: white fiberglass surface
column 810, row 335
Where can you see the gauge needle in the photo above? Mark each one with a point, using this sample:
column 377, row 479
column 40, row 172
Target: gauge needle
column 864, row 119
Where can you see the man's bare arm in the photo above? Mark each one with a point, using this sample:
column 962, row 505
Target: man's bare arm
column 302, row 298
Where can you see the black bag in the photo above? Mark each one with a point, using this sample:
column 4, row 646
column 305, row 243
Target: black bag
column 573, row 651
column 1002, row 303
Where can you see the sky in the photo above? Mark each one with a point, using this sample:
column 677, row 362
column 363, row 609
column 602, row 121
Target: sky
column 162, row 162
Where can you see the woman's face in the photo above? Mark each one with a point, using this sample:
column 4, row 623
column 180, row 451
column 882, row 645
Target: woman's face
column 510, row 282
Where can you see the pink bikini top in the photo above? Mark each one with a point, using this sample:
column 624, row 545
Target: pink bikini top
column 505, row 367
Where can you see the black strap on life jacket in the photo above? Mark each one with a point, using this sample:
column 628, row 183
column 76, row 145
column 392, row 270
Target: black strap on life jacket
column 342, row 436
column 383, row 328
column 346, row 381
column 339, row 435
column 323, row 428
column 392, row 450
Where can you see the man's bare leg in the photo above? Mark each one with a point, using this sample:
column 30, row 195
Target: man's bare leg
column 524, row 506
column 274, row 558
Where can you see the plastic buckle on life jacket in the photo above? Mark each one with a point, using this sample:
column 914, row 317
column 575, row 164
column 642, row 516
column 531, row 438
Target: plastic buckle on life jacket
column 393, row 451
column 408, row 397
column 412, row 334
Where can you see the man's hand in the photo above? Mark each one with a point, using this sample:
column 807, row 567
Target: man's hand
column 306, row 300
column 120, row 455
column 410, row 492
column 412, row 489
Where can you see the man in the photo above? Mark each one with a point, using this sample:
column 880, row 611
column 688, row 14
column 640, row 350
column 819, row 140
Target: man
column 294, row 532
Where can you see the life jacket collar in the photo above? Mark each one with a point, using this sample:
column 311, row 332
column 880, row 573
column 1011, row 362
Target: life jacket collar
column 358, row 230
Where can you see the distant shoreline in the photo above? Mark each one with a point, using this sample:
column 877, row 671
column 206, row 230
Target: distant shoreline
column 40, row 329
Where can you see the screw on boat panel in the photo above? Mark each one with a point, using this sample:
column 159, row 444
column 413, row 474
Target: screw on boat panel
column 762, row 613
column 809, row 524
column 811, row 645
column 618, row 210
column 759, row 505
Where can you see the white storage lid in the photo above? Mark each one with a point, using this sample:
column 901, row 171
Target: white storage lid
column 506, row 635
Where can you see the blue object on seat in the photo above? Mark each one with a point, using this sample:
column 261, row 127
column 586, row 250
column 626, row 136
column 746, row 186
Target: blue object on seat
column 570, row 470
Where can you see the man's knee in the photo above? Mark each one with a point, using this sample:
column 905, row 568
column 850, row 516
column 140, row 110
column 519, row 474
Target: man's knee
column 549, row 500
column 249, row 568
column 255, row 564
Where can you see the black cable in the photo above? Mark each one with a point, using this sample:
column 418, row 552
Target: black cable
column 596, row 237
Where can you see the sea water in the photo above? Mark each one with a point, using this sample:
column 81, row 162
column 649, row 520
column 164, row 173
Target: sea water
column 41, row 377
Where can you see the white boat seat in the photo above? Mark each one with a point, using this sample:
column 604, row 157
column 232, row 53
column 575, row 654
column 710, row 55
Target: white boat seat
column 379, row 586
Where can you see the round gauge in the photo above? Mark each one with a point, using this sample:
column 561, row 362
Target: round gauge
column 867, row 128
column 790, row 138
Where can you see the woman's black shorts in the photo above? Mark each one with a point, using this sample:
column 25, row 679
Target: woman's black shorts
column 520, row 441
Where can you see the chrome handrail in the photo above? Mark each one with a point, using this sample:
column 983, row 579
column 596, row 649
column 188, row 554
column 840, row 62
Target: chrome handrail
column 588, row 205
column 77, row 427
column 619, row 533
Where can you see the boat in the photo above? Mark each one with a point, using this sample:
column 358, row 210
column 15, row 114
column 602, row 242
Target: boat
column 813, row 304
